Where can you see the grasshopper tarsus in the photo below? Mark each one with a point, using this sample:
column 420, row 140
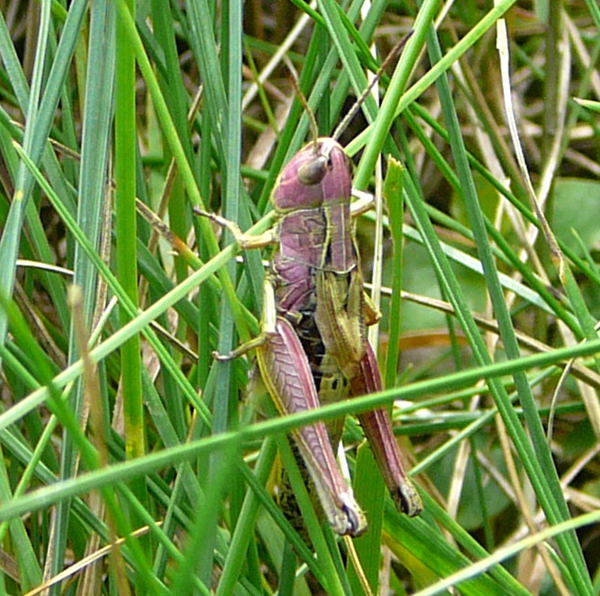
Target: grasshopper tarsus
column 364, row 202
column 242, row 349
column 223, row 222
column 407, row 499
column 222, row 357
column 357, row 524
column 245, row 241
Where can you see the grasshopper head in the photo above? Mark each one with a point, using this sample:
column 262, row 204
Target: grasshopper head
column 318, row 174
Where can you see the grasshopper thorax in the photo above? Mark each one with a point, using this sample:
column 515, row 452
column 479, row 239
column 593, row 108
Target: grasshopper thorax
column 318, row 175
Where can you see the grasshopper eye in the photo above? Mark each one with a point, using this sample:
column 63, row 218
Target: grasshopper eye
column 313, row 171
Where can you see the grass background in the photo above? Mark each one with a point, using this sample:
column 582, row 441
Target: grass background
column 131, row 461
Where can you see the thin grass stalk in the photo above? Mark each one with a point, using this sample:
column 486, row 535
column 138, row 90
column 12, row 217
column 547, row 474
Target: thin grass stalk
column 392, row 193
column 168, row 457
column 408, row 57
column 548, row 488
column 36, row 134
column 126, row 234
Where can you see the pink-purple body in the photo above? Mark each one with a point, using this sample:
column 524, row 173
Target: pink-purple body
column 314, row 225
column 310, row 216
column 317, row 250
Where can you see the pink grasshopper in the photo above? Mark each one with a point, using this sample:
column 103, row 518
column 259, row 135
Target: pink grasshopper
column 313, row 348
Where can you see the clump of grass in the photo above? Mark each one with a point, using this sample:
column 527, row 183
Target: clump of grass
column 132, row 461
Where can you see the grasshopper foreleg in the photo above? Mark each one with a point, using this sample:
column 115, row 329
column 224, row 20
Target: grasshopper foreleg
column 365, row 201
column 245, row 241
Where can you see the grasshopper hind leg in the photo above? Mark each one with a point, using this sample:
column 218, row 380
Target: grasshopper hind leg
column 287, row 375
column 378, row 430
column 285, row 498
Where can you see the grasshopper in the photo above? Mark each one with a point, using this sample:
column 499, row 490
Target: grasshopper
column 313, row 347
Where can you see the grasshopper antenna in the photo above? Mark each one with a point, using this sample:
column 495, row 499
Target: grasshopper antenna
column 392, row 55
column 311, row 115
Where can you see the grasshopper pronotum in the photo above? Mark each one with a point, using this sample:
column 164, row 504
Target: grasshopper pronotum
column 313, row 347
